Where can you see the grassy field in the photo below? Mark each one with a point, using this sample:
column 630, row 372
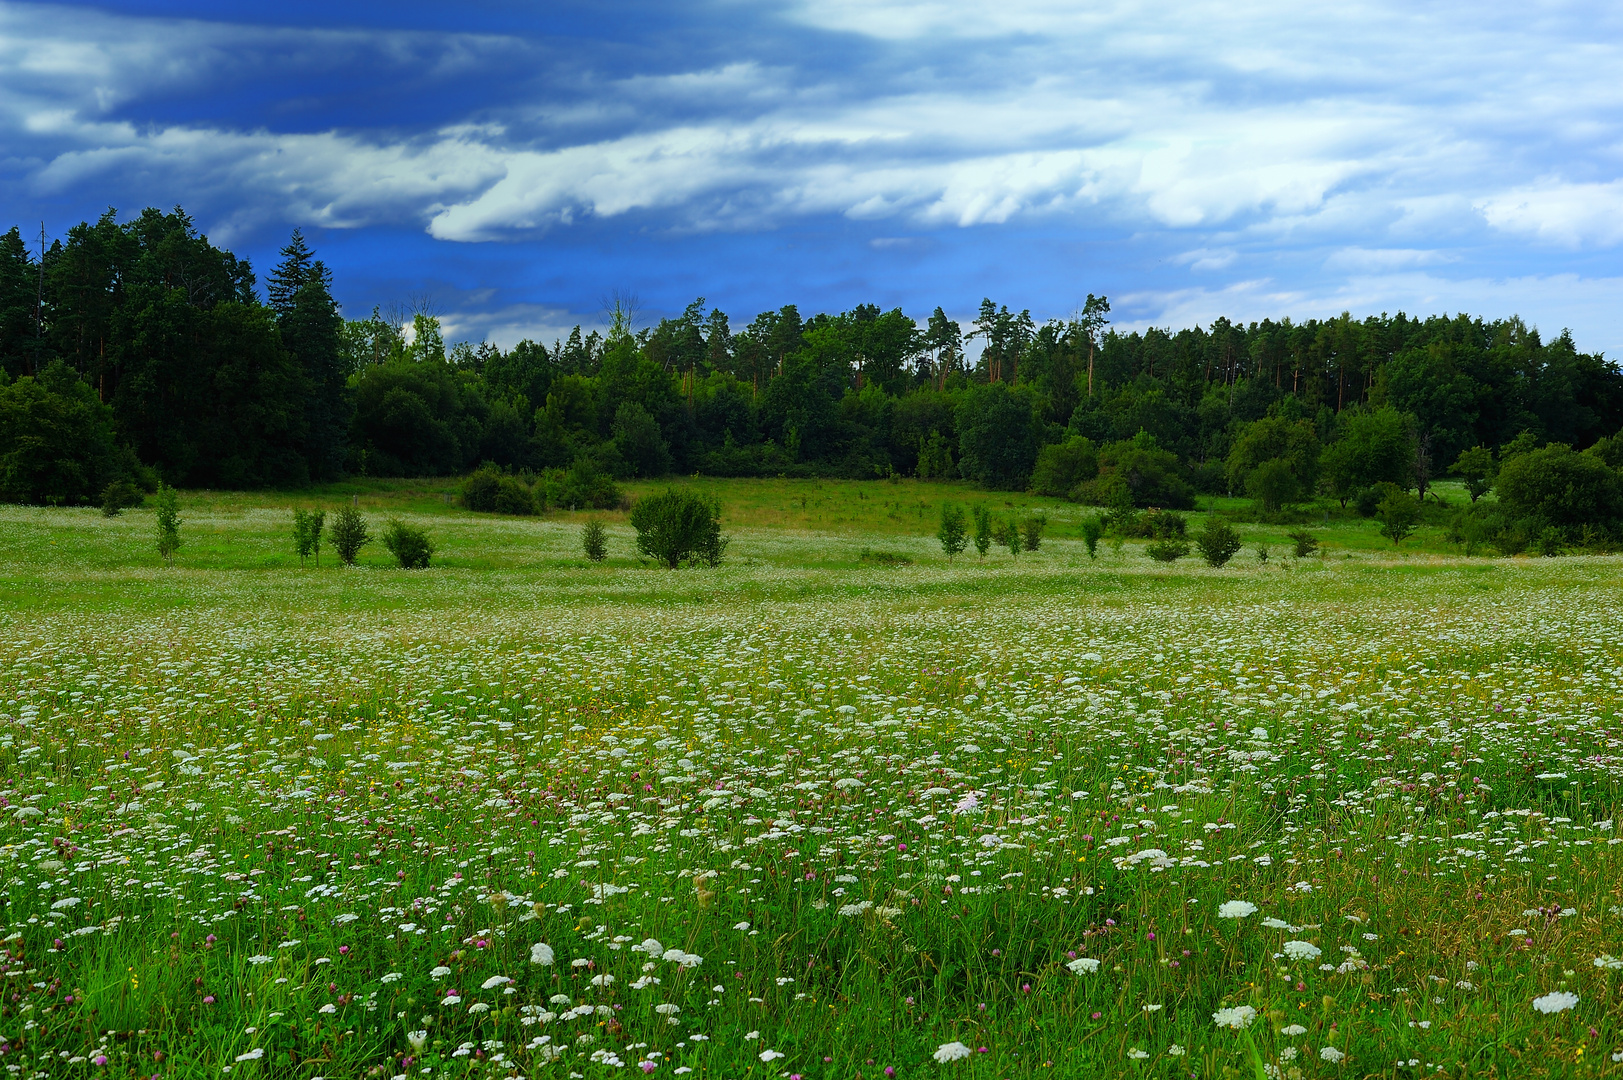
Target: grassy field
column 800, row 815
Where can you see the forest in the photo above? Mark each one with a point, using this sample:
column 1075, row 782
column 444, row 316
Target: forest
column 139, row 351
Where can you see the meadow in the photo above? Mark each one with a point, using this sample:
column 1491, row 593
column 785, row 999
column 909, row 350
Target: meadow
column 802, row 815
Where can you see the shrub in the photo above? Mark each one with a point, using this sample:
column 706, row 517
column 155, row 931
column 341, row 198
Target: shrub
column 168, row 523
column 885, row 558
column 1167, row 550
column 1263, row 553
column 1062, row 466
column 1399, row 513
column 954, row 532
column 349, row 534
column 118, row 495
column 594, row 540
column 1217, row 542
column 1556, row 486
column 1031, row 531
column 513, row 497
column 1155, row 524
column 678, row 526
column 1303, row 543
column 410, row 545
column 480, row 488
column 1368, row 501
column 307, row 534
column 585, row 486
column 1093, row 527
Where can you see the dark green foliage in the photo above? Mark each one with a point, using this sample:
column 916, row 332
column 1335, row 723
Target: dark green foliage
column 1477, row 469
column 1154, row 524
column 1217, row 541
column 1275, row 460
column 1031, row 531
column 1373, row 448
column 884, row 558
column 307, row 526
column 594, row 540
column 1137, row 472
column 349, row 534
column 1368, row 502
column 1263, row 553
column 1063, row 466
column 1399, row 513
column 1093, row 527
column 1558, row 487
column 999, row 435
column 167, row 520
column 480, row 488
column 1167, row 550
column 584, row 485
column 409, row 544
column 56, row 443
column 954, row 532
column 676, row 527
column 300, row 293
column 414, row 419
column 1303, row 543
column 120, row 495
column 639, row 441
column 514, row 497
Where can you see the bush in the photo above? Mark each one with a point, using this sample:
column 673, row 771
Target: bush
column 1304, row 543
column 594, row 540
column 1368, row 501
column 1167, row 550
column 1155, row 524
column 1062, row 466
column 983, row 531
column 410, row 545
column 678, row 526
column 119, row 495
column 954, row 531
column 884, row 558
column 586, row 486
column 349, row 534
column 1217, row 542
column 1555, row 486
column 479, row 489
column 168, row 523
column 513, row 497
column 1031, row 531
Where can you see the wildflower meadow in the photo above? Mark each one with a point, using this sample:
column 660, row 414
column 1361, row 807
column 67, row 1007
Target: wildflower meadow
column 523, row 814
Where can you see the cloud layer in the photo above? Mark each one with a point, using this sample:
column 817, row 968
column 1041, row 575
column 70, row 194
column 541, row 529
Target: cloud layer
column 1265, row 156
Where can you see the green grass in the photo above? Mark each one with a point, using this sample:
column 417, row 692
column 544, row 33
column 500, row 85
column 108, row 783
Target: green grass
column 884, row 804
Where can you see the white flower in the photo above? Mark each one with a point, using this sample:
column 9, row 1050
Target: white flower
column 1293, row 1030
column 1236, row 909
column 1559, row 1001
column 451, row 999
column 752, row 1035
column 602, row 980
column 418, row 1040
column 1331, row 1054
column 252, row 1055
column 440, row 972
column 66, row 902
column 541, row 953
column 667, row 1009
column 1083, row 965
column 478, row 1007
column 261, row 959
column 1138, row 1055
column 494, row 981
column 741, row 926
column 1239, row 1018
column 953, row 1051
column 1605, row 960
column 1175, row 1050
column 328, row 1009
column 651, row 946
column 1302, row 950
column 769, row 1055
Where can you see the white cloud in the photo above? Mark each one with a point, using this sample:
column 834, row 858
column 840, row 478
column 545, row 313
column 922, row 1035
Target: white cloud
column 1571, row 215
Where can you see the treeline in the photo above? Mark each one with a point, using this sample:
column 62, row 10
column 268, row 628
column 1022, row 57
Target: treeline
column 140, row 350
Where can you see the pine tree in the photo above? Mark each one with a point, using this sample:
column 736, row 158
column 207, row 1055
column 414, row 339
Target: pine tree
column 312, row 330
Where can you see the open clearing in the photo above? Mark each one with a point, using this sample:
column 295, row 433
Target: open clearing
column 799, row 815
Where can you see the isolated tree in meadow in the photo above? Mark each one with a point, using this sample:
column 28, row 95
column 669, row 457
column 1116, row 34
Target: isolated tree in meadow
column 983, row 531
column 954, row 532
column 349, row 534
column 1477, row 469
column 674, row 527
column 307, row 526
column 168, row 507
column 1399, row 513
column 594, row 540
column 409, row 545
column 1093, row 527
column 1218, row 542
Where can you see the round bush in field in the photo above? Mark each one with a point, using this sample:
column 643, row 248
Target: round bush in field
column 480, row 489
column 1217, row 542
column 348, row 534
column 674, row 527
column 513, row 497
column 410, row 545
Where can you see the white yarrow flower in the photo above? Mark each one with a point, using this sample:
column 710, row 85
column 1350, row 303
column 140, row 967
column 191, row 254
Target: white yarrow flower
column 1559, row 1001
column 541, row 953
column 1236, row 909
column 494, row 981
column 1239, row 1018
column 953, row 1051
column 1302, row 950
column 1083, row 965
column 1331, row 1054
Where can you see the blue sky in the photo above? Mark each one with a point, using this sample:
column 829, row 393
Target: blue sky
column 519, row 163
